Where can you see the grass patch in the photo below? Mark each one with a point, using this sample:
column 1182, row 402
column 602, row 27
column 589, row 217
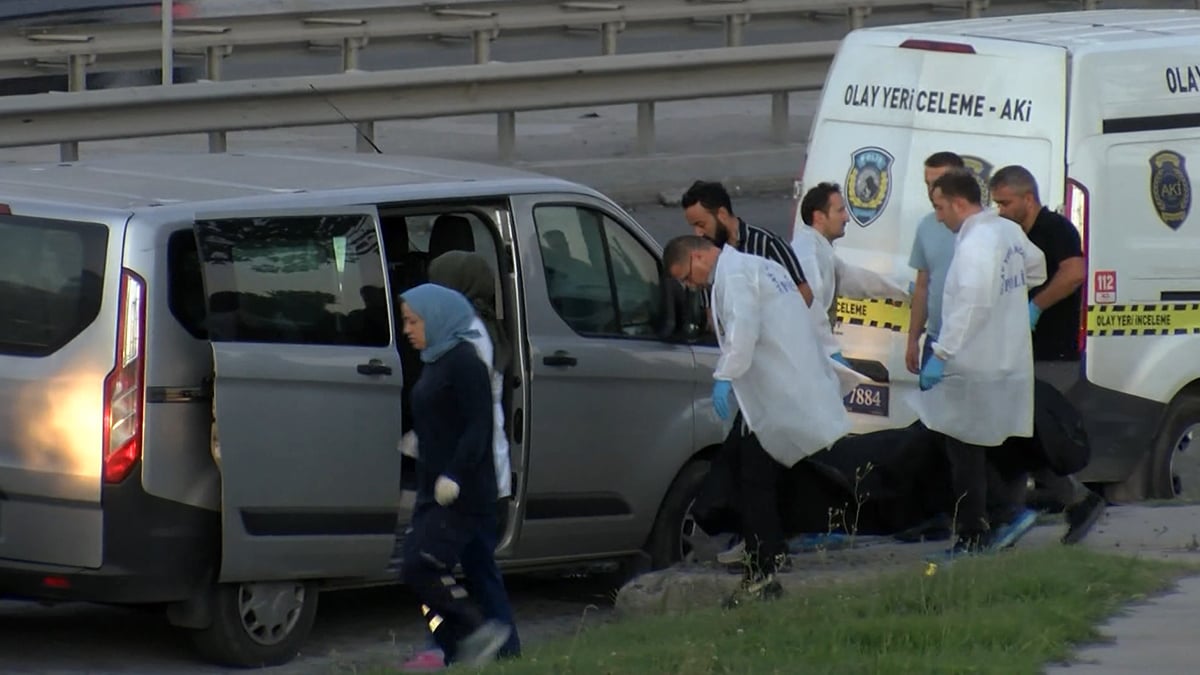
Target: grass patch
column 1008, row 614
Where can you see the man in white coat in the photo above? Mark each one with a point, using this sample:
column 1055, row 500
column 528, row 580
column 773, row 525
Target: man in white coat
column 977, row 389
column 823, row 210
column 784, row 384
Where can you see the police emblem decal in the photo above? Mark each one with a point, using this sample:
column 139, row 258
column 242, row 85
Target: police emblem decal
column 868, row 184
column 1170, row 187
column 982, row 170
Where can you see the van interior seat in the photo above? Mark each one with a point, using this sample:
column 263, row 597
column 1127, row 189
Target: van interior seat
column 450, row 232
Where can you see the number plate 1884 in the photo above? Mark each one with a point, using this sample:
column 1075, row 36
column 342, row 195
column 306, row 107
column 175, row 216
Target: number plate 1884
column 868, row 399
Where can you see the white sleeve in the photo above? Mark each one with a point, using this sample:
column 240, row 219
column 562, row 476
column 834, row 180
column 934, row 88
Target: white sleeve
column 970, row 295
column 739, row 318
column 806, row 254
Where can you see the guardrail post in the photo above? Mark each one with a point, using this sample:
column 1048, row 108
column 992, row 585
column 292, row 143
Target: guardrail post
column 483, row 46
column 779, row 117
column 218, row 141
column 1094, row 4
column 76, row 81
column 350, row 48
column 974, row 8
column 608, row 38
column 734, row 25
column 857, row 15
column 364, row 137
column 506, row 135
column 645, row 128
column 167, row 11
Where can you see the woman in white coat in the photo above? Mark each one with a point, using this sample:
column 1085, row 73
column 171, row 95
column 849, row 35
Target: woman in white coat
column 977, row 389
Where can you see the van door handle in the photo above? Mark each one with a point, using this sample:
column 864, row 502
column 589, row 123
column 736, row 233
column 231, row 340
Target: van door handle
column 374, row 367
column 561, row 359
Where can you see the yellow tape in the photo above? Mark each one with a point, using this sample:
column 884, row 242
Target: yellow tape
column 1102, row 320
column 1150, row 319
column 890, row 315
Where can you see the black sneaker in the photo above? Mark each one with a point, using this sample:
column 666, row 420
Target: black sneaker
column 1082, row 517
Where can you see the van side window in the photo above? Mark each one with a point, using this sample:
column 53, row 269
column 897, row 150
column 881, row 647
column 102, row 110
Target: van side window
column 51, row 282
column 601, row 280
column 295, row 279
column 185, row 283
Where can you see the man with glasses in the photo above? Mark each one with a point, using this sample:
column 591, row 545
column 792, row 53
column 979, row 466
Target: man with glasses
column 772, row 362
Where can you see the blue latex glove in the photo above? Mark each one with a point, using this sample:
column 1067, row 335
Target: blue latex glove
column 932, row 373
column 837, row 356
column 1035, row 313
column 720, row 396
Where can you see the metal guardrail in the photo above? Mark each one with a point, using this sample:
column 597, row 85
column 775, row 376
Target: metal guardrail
column 503, row 88
column 351, row 29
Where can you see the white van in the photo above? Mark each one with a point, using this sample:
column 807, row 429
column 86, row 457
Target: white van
column 1104, row 108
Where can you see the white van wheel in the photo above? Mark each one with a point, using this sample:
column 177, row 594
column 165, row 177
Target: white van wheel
column 258, row 624
column 1176, row 459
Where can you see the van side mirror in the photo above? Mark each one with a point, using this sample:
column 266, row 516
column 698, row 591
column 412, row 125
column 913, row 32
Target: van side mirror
column 685, row 319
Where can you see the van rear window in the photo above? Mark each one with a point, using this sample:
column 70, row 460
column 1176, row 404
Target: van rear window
column 51, row 278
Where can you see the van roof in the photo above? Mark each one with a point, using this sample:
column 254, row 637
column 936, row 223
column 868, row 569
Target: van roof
column 1072, row 30
column 132, row 181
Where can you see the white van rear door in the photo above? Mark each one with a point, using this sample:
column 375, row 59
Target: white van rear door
column 307, row 392
column 58, row 340
column 874, row 129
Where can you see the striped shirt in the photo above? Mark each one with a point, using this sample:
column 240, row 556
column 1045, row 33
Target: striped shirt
column 764, row 244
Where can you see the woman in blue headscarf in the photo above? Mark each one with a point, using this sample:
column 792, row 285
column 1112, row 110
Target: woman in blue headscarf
column 456, row 476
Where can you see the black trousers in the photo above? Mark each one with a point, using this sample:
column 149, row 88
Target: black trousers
column 988, row 486
column 432, row 549
column 758, row 477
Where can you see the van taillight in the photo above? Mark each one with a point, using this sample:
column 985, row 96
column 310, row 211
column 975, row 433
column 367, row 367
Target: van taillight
column 1077, row 211
column 123, row 390
column 938, row 46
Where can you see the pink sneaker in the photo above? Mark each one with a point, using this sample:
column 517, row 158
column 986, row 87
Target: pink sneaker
column 428, row 661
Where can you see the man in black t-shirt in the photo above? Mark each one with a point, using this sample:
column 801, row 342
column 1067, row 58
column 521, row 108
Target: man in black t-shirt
column 1054, row 314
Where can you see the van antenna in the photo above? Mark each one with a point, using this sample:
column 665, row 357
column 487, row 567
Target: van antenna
column 346, row 119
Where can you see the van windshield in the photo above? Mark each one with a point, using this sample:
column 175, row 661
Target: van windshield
column 51, row 278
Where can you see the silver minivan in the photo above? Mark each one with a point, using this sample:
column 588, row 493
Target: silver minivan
column 202, row 384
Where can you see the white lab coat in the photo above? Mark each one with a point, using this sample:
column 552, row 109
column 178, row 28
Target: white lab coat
column 829, row 276
column 784, row 383
column 986, row 395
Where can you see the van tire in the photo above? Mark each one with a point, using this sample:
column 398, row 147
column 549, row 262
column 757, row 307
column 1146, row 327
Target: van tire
column 664, row 545
column 230, row 641
column 1182, row 417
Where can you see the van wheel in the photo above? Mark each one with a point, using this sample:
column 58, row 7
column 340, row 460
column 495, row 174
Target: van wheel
column 1175, row 471
column 676, row 535
column 258, row 624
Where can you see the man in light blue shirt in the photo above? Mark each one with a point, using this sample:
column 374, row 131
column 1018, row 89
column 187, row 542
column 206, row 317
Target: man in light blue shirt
column 933, row 249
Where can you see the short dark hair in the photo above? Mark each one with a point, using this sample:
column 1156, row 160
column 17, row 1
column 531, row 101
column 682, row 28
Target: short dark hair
column 817, row 199
column 1015, row 178
column 680, row 248
column 945, row 158
column 709, row 194
column 959, row 183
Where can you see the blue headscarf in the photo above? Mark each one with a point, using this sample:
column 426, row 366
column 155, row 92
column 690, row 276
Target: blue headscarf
column 447, row 315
